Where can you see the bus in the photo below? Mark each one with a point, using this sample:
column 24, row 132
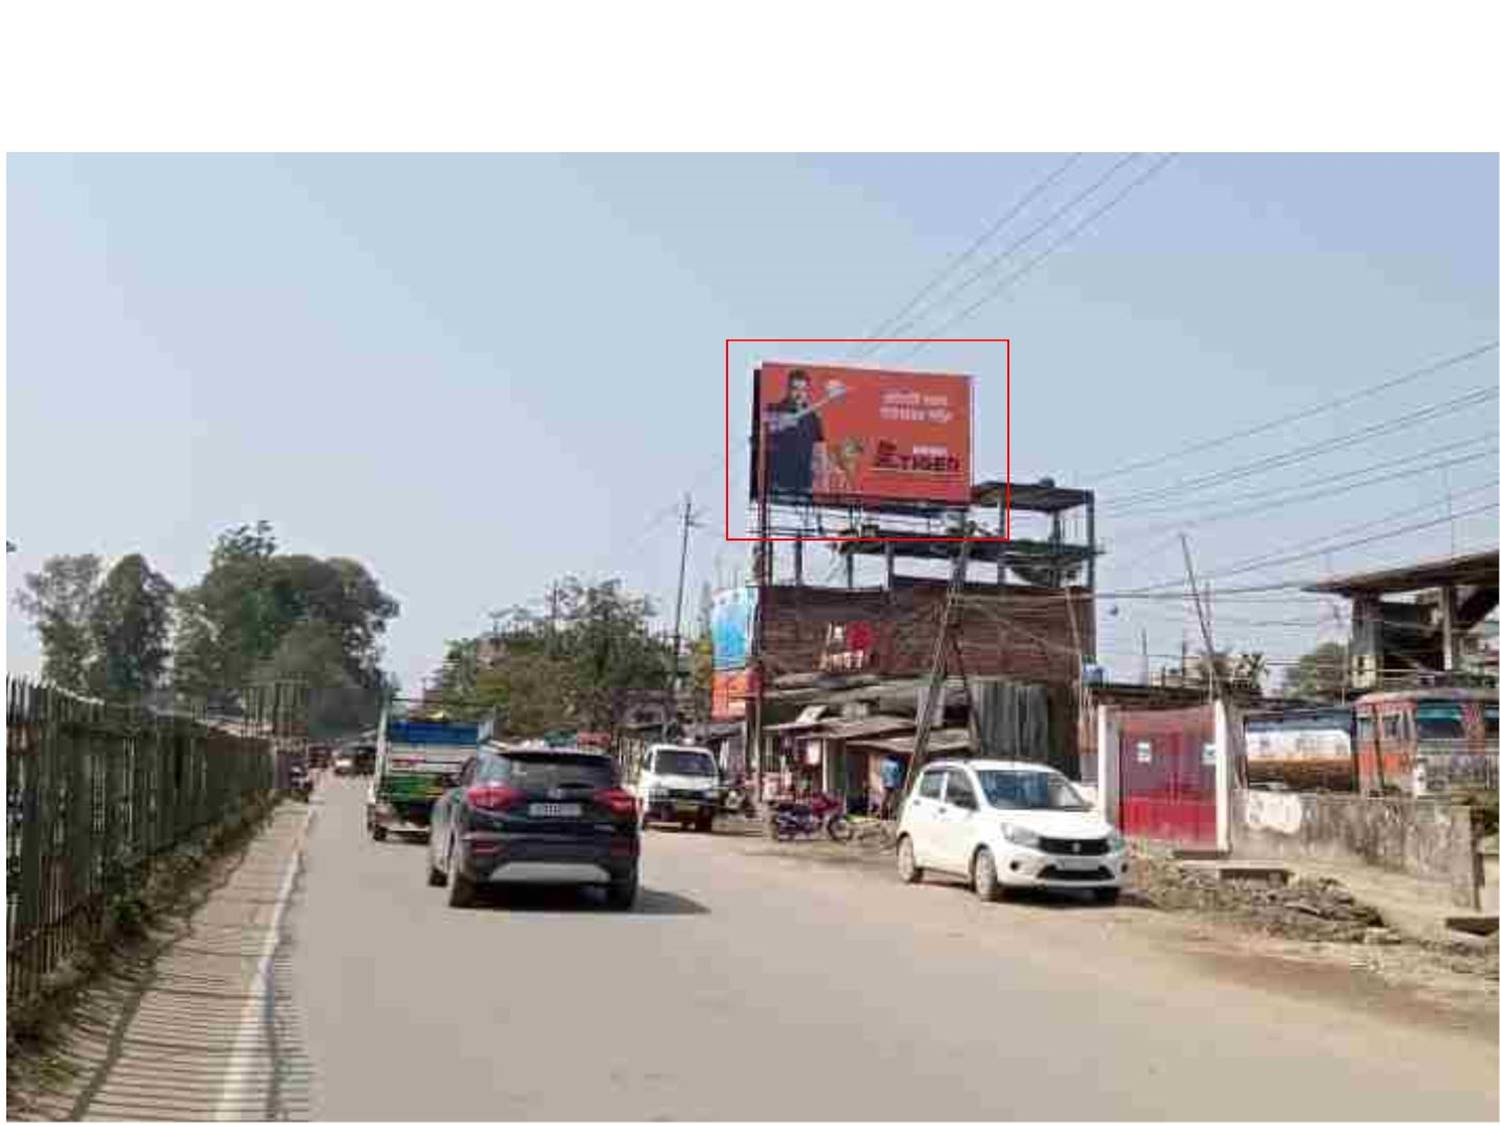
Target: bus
column 1427, row 741
column 1309, row 748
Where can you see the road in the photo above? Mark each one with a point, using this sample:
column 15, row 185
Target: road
column 749, row 987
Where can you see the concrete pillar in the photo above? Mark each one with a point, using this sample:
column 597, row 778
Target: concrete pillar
column 1452, row 637
column 1224, row 751
column 1107, row 765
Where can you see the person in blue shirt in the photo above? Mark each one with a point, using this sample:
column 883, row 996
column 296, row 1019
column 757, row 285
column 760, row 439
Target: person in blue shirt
column 890, row 780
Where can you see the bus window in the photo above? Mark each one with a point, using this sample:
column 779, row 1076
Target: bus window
column 1367, row 728
column 1390, row 726
column 1440, row 720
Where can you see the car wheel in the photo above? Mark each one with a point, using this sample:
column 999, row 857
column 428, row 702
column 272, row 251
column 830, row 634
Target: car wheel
column 378, row 834
column 706, row 824
column 986, row 881
column 460, row 890
column 620, row 894
column 1107, row 896
column 906, row 861
column 436, row 876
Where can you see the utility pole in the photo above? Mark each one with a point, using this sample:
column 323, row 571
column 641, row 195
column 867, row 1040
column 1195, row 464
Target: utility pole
column 928, row 712
column 1208, row 640
column 1145, row 661
column 687, row 525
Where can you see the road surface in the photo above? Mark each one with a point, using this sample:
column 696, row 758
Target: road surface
column 750, row 987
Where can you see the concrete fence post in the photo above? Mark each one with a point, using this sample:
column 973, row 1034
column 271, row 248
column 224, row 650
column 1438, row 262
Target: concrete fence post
column 1224, row 750
column 1107, row 763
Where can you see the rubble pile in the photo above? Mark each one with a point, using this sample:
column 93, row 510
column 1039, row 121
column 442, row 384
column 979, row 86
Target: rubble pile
column 1305, row 909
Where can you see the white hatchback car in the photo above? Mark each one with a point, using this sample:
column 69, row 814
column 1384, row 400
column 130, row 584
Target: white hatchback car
column 1002, row 824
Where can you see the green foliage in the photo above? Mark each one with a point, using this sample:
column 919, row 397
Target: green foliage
column 258, row 616
column 130, row 624
column 59, row 599
column 579, row 670
column 1319, row 674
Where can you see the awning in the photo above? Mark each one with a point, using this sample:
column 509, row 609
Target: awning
column 873, row 726
column 945, row 741
column 810, row 718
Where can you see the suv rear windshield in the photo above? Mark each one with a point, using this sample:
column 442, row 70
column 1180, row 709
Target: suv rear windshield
column 1030, row 789
column 684, row 762
column 541, row 770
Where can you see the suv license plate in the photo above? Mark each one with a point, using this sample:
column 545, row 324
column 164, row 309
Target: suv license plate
column 556, row 810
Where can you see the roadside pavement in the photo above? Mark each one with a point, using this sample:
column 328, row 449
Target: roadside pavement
column 204, row 1030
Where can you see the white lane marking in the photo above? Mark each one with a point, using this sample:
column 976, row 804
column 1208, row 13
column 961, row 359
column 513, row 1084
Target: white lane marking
column 231, row 1106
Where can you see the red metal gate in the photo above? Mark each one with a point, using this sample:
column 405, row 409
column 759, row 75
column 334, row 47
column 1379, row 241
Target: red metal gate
column 1166, row 778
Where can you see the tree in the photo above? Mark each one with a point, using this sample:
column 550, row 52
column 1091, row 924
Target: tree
column 59, row 599
column 235, row 622
column 130, row 623
column 1319, row 674
column 582, row 672
column 310, row 654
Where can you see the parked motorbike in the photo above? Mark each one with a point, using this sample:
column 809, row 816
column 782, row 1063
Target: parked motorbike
column 301, row 785
column 816, row 815
column 738, row 801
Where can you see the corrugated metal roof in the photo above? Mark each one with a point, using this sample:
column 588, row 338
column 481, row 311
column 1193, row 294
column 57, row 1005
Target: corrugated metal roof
column 872, row 726
column 944, row 741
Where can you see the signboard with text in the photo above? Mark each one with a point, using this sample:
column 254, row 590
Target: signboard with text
column 845, row 435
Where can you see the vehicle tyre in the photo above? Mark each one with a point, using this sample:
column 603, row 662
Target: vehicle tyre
column 986, row 881
column 460, row 890
column 705, row 824
column 1106, row 896
column 435, row 878
column 620, row 894
column 839, row 829
column 906, row 861
column 779, row 831
column 378, row 834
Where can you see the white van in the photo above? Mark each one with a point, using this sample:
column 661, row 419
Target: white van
column 679, row 784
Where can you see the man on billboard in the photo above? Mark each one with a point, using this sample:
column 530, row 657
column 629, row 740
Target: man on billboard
column 795, row 454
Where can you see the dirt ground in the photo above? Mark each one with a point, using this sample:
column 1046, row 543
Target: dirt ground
column 1307, row 923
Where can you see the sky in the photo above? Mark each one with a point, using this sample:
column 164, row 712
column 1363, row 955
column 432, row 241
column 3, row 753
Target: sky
column 477, row 373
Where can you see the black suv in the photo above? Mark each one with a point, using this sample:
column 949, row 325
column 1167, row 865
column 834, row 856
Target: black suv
column 535, row 816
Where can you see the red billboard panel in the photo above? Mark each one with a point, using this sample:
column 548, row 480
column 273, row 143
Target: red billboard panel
column 854, row 435
column 730, row 690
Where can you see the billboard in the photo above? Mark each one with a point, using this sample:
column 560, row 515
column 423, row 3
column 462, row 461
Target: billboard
column 856, row 435
column 730, row 621
column 730, row 690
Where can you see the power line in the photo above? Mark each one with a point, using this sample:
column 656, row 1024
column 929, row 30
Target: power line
column 1310, row 450
column 1281, row 490
column 1056, row 245
column 994, row 228
column 1288, row 500
column 1265, row 562
column 1296, row 416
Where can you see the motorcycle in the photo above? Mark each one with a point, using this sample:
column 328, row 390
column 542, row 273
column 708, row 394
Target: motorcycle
column 738, row 801
column 814, row 816
column 301, row 785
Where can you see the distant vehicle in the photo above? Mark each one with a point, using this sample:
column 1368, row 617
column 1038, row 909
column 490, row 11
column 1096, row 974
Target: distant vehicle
column 1428, row 741
column 343, row 765
column 364, row 760
column 319, row 756
column 1307, row 748
column 679, row 784
column 415, row 761
column 543, row 815
column 1001, row 824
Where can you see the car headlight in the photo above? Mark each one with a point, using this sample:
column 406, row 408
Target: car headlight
column 1023, row 837
column 1116, row 840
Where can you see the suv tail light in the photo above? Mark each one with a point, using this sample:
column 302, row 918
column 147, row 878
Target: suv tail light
column 492, row 798
column 617, row 801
